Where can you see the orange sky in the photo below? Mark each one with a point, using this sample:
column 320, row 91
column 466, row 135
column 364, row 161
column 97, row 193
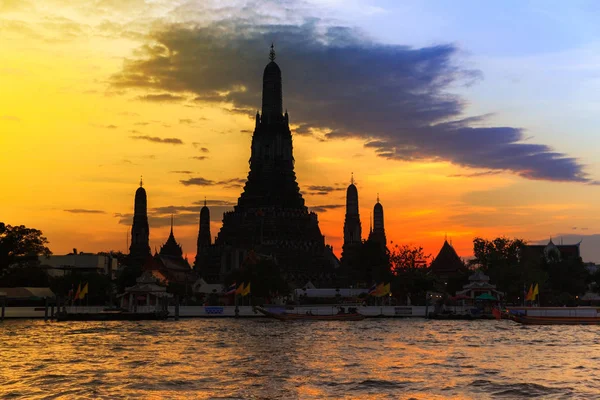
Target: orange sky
column 66, row 144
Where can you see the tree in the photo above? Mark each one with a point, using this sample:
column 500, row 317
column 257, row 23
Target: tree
column 411, row 277
column 20, row 246
column 501, row 259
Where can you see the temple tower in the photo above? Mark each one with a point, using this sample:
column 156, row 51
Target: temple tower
column 204, row 238
column 378, row 233
column 139, row 249
column 270, row 217
column 352, row 228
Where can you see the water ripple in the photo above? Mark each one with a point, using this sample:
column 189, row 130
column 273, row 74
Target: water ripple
column 265, row 359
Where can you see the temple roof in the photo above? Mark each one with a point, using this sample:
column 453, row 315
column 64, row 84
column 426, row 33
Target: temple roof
column 171, row 247
column 447, row 260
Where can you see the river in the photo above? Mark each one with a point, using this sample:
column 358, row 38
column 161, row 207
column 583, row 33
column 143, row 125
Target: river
column 267, row 359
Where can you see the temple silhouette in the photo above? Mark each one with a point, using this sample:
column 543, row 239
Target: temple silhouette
column 270, row 218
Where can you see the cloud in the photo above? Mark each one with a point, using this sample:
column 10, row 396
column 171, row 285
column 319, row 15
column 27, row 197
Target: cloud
column 201, row 147
column 183, row 215
column 395, row 98
column 84, row 211
column 197, row 182
column 325, row 208
column 475, row 174
column 227, row 183
column 186, row 121
column 200, row 158
column 161, row 98
column 323, row 190
column 181, row 172
column 158, row 140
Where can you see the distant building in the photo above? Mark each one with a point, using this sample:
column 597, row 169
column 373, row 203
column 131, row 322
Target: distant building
column 447, row 264
column 75, row 262
column 170, row 263
column 479, row 284
column 552, row 251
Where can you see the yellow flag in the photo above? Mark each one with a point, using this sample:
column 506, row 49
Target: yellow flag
column 530, row 293
column 83, row 292
column 378, row 290
column 240, row 289
column 385, row 290
column 536, row 291
column 246, row 290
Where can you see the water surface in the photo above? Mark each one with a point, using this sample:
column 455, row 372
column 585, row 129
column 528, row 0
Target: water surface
column 266, row 359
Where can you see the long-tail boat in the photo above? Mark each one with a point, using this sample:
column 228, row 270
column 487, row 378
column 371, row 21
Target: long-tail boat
column 342, row 316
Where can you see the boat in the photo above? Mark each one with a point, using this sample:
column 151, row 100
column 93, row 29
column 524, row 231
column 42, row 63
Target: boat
column 113, row 315
column 555, row 315
column 341, row 316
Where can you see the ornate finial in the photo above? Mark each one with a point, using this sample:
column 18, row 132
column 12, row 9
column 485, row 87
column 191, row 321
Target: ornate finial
column 204, row 201
column 171, row 224
column 272, row 53
column 141, row 181
column 445, row 237
column 378, row 197
column 352, row 178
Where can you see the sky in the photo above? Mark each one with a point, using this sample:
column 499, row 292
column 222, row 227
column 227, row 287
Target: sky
column 467, row 118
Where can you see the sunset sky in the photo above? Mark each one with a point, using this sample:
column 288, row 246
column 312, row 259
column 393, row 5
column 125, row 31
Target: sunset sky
column 468, row 118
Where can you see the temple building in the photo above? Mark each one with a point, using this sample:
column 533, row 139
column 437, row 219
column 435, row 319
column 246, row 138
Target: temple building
column 270, row 217
column 352, row 228
column 378, row 232
column 204, row 238
column 447, row 264
column 140, row 231
column 551, row 251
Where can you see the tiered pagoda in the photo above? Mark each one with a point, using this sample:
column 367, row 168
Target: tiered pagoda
column 270, row 217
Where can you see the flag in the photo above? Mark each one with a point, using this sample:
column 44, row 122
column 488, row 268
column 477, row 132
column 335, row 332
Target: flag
column 373, row 288
column 231, row 289
column 536, row 291
column 385, row 289
column 377, row 290
column 497, row 314
column 84, row 291
column 240, row 288
column 78, row 292
column 246, row 290
column 530, row 293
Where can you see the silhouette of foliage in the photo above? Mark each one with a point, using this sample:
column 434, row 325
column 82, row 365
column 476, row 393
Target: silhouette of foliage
column 20, row 246
column 412, row 277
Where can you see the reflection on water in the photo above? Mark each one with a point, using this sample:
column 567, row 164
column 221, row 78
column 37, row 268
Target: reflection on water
column 371, row 359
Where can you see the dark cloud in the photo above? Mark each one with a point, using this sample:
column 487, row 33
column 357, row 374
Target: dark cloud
column 227, row 183
column 158, row 140
column 186, row 121
column 200, row 158
column 181, row 172
column 323, row 190
column 475, row 174
column 336, row 81
column 197, row 182
column 201, row 147
column 142, row 123
column 163, row 97
column 325, row 208
column 212, row 202
column 183, row 215
column 84, row 211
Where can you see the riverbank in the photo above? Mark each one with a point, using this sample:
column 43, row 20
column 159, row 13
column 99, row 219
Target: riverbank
column 229, row 311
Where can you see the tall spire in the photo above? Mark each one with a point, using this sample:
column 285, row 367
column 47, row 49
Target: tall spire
column 171, row 224
column 140, row 230
column 272, row 99
column 352, row 178
column 141, row 181
column 272, row 53
column 352, row 228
